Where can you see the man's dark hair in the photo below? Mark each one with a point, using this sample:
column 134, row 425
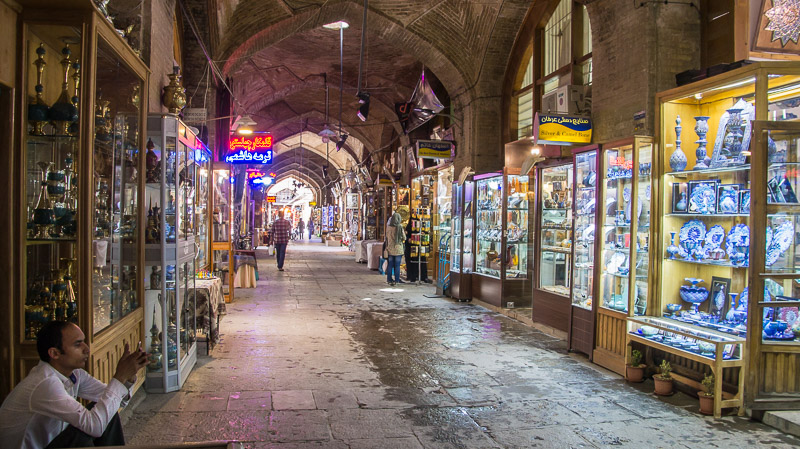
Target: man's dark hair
column 50, row 336
column 280, row 214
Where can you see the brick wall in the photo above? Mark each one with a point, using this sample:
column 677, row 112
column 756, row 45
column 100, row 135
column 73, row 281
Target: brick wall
column 636, row 53
column 158, row 48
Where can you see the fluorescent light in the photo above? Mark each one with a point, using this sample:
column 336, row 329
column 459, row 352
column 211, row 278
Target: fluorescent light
column 337, row 25
column 244, row 131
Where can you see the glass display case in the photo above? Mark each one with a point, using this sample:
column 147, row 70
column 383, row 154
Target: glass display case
column 555, row 224
column 489, row 218
column 202, row 237
column 501, row 231
column 170, row 252
column 421, row 229
column 461, row 259
column 744, row 132
column 585, row 226
column 442, row 226
column 78, row 184
column 221, row 229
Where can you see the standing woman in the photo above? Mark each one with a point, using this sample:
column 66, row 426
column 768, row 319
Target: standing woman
column 395, row 241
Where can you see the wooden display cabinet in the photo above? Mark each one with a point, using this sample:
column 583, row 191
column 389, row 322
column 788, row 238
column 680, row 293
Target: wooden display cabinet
column 623, row 271
column 746, row 138
column 81, row 107
column 220, row 223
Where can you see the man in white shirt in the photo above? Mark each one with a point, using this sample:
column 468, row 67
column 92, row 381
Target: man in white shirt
column 43, row 410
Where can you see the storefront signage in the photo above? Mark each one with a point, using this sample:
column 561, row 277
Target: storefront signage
column 562, row 129
column 271, row 198
column 312, row 203
column 435, row 149
column 244, row 150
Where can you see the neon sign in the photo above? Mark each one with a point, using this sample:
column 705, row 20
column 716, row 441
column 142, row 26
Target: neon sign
column 243, row 150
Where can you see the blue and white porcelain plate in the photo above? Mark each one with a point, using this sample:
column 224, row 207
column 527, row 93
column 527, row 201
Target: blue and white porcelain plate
column 780, row 242
column 714, row 237
column 703, row 199
column 693, row 231
column 739, row 236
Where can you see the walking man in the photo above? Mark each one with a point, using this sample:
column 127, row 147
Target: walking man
column 43, row 411
column 281, row 230
column 301, row 226
column 310, row 229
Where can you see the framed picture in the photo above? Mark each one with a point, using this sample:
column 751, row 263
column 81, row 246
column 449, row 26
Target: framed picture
column 744, row 201
column 728, row 199
column 719, row 298
column 774, row 189
column 679, row 198
column 787, row 191
column 702, row 197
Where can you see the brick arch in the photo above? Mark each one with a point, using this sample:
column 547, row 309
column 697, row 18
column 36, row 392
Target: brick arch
column 270, row 29
column 314, row 184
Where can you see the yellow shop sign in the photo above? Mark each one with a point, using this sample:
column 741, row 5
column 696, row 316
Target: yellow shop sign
column 562, row 129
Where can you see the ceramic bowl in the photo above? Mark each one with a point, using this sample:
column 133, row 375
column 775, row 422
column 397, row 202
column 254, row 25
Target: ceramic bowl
column 673, row 307
column 649, row 331
column 705, row 347
column 693, row 294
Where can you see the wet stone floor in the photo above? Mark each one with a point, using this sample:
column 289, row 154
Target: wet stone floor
column 326, row 355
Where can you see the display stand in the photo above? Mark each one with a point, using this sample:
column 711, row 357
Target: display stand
column 442, row 227
column 707, row 230
column 584, row 254
column 80, row 114
column 170, row 251
column 462, row 261
column 501, row 250
column 551, row 301
column 220, row 219
column 624, row 245
column 421, row 229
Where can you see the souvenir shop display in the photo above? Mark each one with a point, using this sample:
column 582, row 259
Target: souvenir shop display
column 585, row 226
column 78, row 180
column 442, row 225
column 170, row 251
column 461, row 248
column 219, row 222
column 420, row 229
column 501, row 230
column 734, row 259
column 555, row 236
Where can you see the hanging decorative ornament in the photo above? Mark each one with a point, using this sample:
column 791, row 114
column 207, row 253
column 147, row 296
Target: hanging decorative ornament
column 37, row 110
column 174, row 98
column 784, row 21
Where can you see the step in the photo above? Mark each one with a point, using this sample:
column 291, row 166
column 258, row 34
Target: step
column 787, row 421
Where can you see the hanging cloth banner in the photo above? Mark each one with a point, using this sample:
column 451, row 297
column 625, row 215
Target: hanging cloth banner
column 423, row 106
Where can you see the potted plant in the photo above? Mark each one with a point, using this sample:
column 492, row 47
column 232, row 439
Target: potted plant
column 707, row 395
column 663, row 381
column 634, row 372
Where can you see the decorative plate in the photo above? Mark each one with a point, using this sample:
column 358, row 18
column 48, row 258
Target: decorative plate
column 693, row 231
column 714, row 237
column 703, row 199
column 739, row 235
column 788, row 314
column 783, row 236
column 647, row 192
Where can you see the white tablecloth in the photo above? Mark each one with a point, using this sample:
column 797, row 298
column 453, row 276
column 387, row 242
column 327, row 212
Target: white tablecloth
column 361, row 252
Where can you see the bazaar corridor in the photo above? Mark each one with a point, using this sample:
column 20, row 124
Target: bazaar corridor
column 326, row 355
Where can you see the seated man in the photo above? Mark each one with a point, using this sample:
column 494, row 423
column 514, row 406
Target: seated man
column 43, row 410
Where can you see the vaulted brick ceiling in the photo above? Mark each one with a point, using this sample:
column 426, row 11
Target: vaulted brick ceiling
column 280, row 59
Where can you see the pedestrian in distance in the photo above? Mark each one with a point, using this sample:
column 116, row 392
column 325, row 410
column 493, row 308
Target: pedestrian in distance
column 301, row 226
column 281, row 232
column 43, row 411
column 310, row 229
column 395, row 242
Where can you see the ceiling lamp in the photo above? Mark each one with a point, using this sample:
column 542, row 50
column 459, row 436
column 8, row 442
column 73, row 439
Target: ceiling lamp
column 363, row 110
column 326, row 134
column 244, row 124
column 340, row 25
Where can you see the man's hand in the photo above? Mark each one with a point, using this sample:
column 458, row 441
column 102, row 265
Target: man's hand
column 129, row 364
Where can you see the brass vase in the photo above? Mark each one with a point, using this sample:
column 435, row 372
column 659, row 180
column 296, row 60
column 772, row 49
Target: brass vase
column 174, row 98
column 63, row 112
column 38, row 109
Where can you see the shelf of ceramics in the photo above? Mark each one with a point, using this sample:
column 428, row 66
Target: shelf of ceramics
column 557, row 249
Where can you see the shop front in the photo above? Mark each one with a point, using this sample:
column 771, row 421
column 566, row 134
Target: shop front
column 725, row 303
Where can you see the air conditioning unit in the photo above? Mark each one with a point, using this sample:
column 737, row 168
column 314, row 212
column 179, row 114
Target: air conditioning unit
column 569, row 99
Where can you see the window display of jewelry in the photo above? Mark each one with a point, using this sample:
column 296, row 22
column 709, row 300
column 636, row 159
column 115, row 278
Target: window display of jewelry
column 489, row 225
column 516, row 257
column 585, row 228
column 556, row 229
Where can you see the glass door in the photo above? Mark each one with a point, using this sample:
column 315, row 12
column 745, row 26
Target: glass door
column 490, row 225
column 455, row 242
column 516, row 257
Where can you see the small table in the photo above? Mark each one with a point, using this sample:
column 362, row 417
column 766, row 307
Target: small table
column 210, row 304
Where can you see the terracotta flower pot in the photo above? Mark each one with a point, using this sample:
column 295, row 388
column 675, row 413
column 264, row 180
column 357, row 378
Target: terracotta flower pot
column 706, row 403
column 663, row 386
column 634, row 373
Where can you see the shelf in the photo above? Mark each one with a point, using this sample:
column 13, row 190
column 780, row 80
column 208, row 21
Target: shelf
column 624, row 226
column 557, row 209
column 517, row 208
column 625, row 250
column 624, row 276
column 715, row 264
column 558, row 228
column 557, row 249
column 708, row 215
column 30, row 242
column 710, row 171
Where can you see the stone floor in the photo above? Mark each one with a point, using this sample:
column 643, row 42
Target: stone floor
column 326, row 355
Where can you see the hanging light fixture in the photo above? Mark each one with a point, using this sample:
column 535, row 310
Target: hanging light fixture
column 244, row 125
column 363, row 97
column 363, row 110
